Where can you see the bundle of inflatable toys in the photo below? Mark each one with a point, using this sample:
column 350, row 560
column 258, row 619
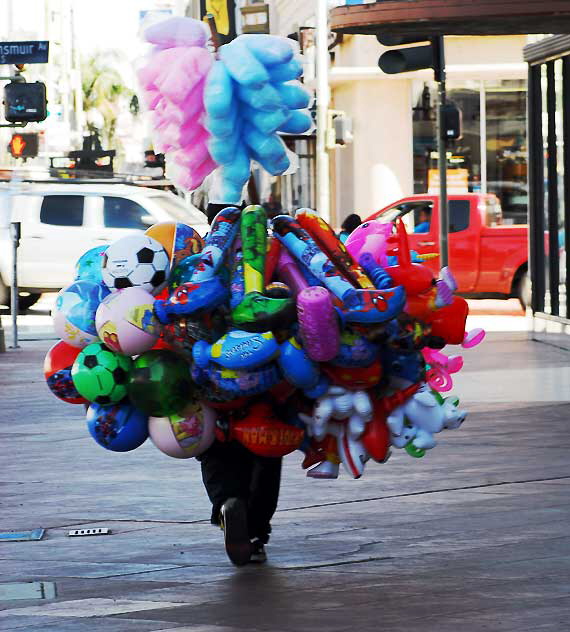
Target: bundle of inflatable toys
column 277, row 336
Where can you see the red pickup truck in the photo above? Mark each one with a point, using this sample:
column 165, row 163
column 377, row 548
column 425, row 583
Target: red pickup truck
column 487, row 258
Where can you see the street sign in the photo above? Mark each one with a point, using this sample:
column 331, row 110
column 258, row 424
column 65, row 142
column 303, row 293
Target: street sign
column 28, row 52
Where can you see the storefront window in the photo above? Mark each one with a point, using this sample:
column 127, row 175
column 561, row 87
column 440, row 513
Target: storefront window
column 559, row 124
column 502, row 169
column 505, row 105
column 463, row 155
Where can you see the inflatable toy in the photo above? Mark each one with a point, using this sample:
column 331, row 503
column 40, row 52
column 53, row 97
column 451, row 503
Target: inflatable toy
column 88, row 266
column 126, row 323
column 184, row 436
column 257, row 312
column 119, row 427
column 101, row 375
column 74, row 312
column 159, row 383
column 57, row 371
column 135, row 260
column 179, row 240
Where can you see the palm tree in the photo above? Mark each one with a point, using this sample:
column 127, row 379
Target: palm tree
column 103, row 92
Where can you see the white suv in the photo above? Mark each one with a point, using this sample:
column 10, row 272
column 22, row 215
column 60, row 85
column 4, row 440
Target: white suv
column 59, row 222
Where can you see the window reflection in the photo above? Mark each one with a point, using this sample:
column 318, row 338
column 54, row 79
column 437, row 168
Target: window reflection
column 504, row 134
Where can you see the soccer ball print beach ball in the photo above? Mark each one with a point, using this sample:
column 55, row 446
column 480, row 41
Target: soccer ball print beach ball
column 126, row 323
column 101, row 375
column 160, row 383
column 136, row 260
column 184, row 436
column 119, row 427
column 74, row 312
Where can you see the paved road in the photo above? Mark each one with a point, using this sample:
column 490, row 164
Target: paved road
column 472, row 537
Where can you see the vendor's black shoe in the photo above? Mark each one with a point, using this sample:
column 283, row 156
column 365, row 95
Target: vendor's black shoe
column 258, row 554
column 233, row 520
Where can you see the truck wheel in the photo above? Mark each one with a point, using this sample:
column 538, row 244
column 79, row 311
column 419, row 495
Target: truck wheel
column 24, row 302
column 523, row 291
column 4, row 294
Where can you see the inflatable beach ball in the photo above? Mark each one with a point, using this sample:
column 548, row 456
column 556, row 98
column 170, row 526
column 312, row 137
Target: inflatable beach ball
column 88, row 266
column 126, row 323
column 184, row 436
column 119, row 428
column 57, row 370
column 74, row 312
column 136, row 260
column 179, row 240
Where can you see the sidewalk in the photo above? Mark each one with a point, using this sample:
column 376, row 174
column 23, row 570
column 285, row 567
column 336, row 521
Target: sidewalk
column 472, row 537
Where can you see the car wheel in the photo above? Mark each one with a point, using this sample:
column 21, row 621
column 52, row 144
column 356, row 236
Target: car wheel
column 524, row 290
column 25, row 302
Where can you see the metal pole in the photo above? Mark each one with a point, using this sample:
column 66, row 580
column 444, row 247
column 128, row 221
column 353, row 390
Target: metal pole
column 15, row 233
column 442, row 164
column 323, row 99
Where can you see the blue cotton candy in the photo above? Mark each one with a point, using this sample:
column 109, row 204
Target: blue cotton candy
column 222, row 127
column 275, row 166
column 268, row 147
column 268, row 49
column 299, row 122
column 293, row 95
column 237, row 171
column 293, row 69
column 218, row 91
column 266, row 122
column 223, row 150
column 242, row 65
column 266, row 98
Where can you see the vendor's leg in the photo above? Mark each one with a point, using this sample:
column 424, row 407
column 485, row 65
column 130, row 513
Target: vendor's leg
column 226, row 472
column 263, row 496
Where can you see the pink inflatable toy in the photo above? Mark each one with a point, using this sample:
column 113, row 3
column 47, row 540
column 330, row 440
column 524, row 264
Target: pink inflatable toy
column 370, row 237
column 318, row 323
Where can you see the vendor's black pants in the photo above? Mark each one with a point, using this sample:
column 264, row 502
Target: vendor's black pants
column 231, row 471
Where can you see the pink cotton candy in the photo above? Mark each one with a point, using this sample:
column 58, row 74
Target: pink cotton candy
column 178, row 81
column 187, row 178
column 177, row 31
column 192, row 155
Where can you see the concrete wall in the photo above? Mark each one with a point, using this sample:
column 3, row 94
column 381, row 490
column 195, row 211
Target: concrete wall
column 376, row 168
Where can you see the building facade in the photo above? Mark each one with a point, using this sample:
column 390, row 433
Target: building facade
column 393, row 152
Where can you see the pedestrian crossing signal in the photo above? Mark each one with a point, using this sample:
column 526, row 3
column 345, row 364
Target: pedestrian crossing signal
column 24, row 145
column 25, row 102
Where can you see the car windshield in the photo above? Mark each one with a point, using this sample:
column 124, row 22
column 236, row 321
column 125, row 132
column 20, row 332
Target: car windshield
column 178, row 209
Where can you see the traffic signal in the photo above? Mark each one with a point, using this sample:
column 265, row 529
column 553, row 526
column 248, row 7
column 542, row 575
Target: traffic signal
column 24, row 145
column 25, row 102
column 451, row 121
column 412, row 58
